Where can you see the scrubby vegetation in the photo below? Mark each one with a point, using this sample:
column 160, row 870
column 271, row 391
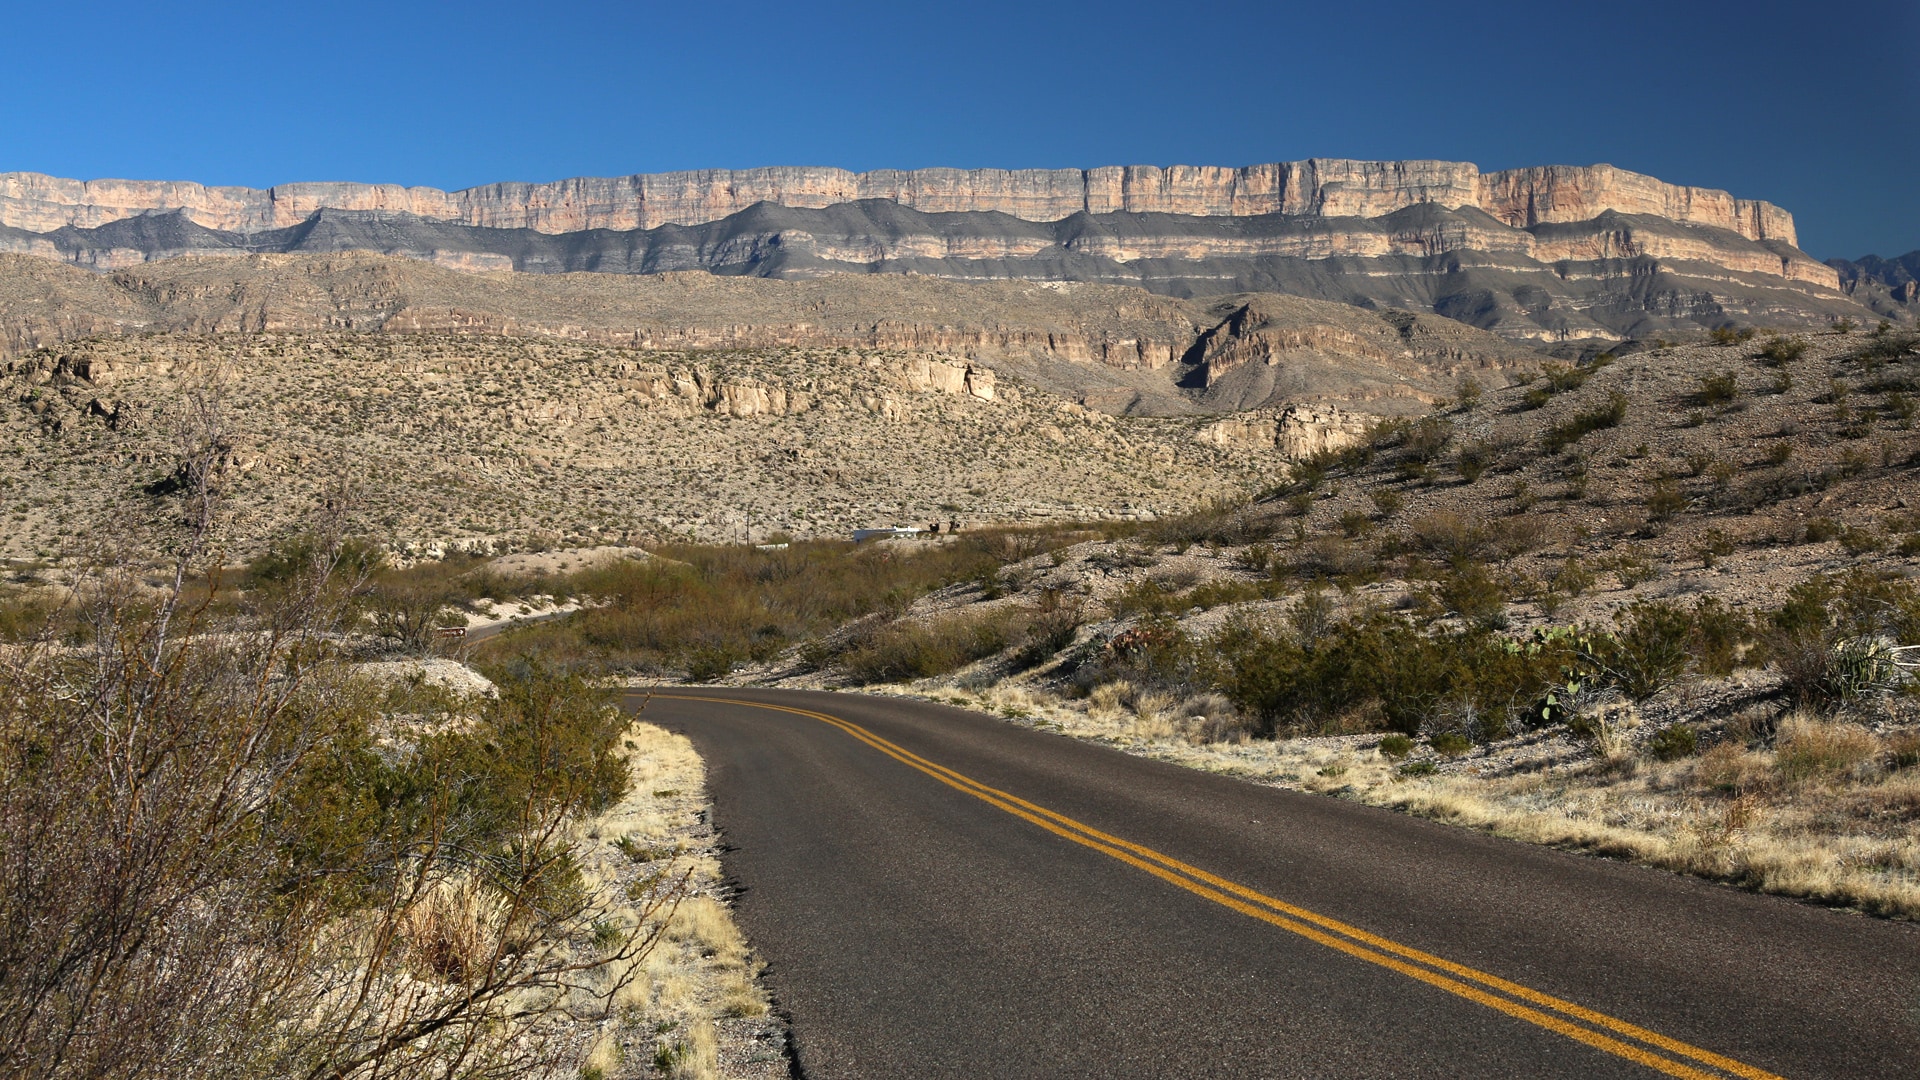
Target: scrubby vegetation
column 226, row 856
column 701, row 610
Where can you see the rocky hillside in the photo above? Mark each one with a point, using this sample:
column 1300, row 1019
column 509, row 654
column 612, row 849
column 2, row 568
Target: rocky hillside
column 1115, row 349
column 489, row 443
column 1549, row 254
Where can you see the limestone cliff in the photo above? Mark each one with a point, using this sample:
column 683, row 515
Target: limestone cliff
column 1560, row 255
column 1317, row 187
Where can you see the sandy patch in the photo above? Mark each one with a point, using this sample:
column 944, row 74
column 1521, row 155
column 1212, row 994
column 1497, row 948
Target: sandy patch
column 564, row 561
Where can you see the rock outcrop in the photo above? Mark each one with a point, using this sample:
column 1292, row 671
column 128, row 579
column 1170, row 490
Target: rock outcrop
column 1298, row 431
column 1887, row 287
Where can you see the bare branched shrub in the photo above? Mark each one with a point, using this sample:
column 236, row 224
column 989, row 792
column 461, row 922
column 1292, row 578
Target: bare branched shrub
column 219, row 862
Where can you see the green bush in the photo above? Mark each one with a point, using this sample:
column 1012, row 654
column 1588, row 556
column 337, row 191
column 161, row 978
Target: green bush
column 1673, row 742
column 1718, row 389
column 1050, row 630
column 1650, row 650
column 1386, row 500
column 1377, row 666
column 1822, row 529
column 1396, row 746
column 1449, row 744
column 1473, row 594
column 1583, row 423
column 1783, row 350
column 1665, row 501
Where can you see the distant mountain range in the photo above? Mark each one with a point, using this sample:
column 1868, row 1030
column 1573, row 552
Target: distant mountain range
column 1890, row 287
column 1554, row 256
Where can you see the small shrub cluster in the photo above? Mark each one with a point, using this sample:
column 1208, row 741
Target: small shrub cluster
column 1780, row 351
column 921, row 650
column 1587, row 421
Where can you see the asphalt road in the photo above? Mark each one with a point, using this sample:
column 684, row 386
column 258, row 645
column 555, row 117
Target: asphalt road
column 941, row 894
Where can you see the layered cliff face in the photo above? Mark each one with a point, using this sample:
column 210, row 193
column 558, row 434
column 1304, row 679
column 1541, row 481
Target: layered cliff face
column 1322, row 187
column 1555, row 255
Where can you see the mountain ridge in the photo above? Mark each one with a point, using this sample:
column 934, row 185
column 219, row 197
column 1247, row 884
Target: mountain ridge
column 1574, row 258
column 1316, row 187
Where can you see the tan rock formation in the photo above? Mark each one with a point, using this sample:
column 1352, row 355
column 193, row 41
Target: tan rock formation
column 1321, row 187
column 1298, row 431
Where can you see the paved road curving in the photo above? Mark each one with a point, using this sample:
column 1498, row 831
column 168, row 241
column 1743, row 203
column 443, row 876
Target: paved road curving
column 940, row 894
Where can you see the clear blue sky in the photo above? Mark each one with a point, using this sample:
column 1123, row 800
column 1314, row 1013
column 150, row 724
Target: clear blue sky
column 1810, row 105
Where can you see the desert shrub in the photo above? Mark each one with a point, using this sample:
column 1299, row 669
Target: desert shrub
column 1780, row 453
column 1572, row 577
column 1309, row 472
column 1561, row 378
column 1418, row 768
column 1473, row 459
column 1822, row 529
column 292, row 559
column 1449, row 744
column 1467, row 391
column 1332, row 557
column 1122, row 557
column 1782, row 350
column 1255, row 557
column 1355, row 525
column 1673, row 742
column 1448, row 536
column 1887, row 346
column 1382, row 667
column 1587, row 421
column 1649, row 650
column 1718, row 389
column 28, row 617
column 1837, row 639
column 1665, row 501
column 705, row 663
column 1730, row 769
column 1051, row 629
column 1428, row 438
column 924, row 650
column 1730, row 334
column 1395, row 746
column 1154, row 654
column 215, row 867
column 1386, row 500
column 1473, row 594
column 1713, row 544
column 1862, row 541
column 1719, row 637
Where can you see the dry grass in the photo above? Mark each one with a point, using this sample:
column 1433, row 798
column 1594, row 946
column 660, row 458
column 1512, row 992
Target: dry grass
column 670, row 1017
column 1825, row 814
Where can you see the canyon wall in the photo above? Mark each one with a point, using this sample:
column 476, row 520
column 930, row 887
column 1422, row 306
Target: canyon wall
column 1319, row 188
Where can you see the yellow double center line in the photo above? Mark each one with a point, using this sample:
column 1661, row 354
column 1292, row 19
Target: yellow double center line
column 1577, row 1022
